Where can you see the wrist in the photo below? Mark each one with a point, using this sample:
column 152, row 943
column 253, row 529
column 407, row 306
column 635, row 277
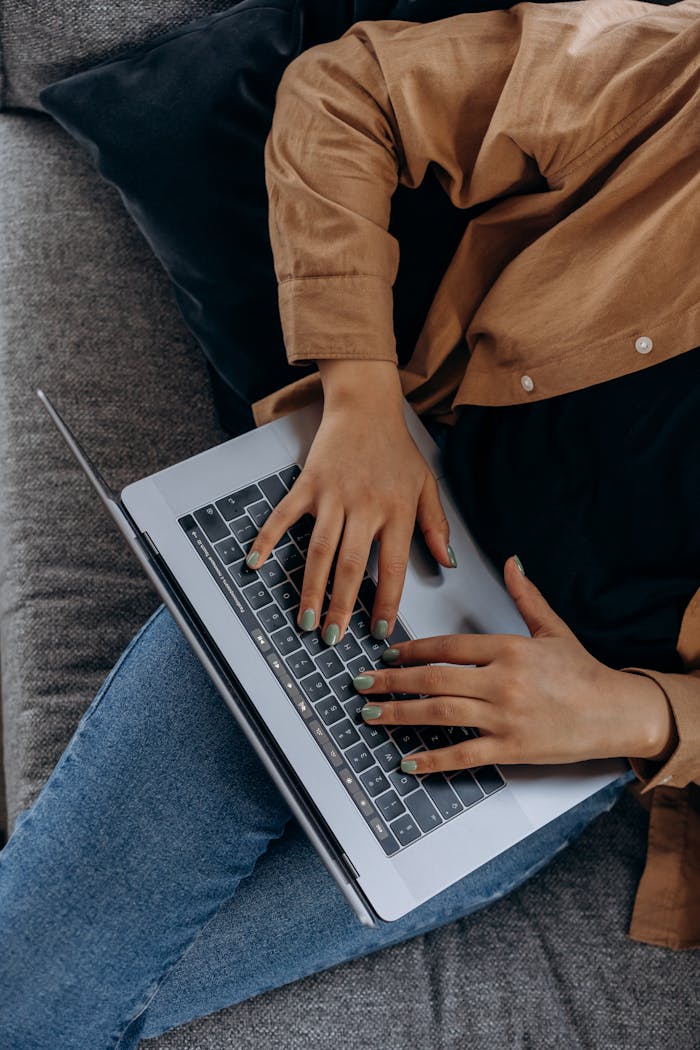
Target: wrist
column 349, row 381
column 655, row 737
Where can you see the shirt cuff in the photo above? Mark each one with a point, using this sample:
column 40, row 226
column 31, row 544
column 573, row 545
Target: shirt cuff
column 682, row 691
column 346, row 316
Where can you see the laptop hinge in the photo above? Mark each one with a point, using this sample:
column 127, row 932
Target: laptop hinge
column 352, row 870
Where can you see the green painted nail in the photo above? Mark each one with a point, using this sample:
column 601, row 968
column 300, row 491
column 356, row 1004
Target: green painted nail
column 408, row 765
column 451, row 556
column 380, row 629
column 308, row 620
column 251, row 559
column 363, row 681
column 331, row 634
column 390, row 655
column 368, row 711
column 518, row 562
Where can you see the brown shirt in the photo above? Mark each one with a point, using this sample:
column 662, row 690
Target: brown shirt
column 577, row 127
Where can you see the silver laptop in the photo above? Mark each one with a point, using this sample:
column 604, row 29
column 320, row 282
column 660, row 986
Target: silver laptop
column 390, row 840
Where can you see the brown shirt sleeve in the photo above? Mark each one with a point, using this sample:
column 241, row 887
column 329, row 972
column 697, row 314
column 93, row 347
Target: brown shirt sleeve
column 342, row 137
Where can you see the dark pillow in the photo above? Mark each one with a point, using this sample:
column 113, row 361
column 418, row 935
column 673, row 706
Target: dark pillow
column 179, row 124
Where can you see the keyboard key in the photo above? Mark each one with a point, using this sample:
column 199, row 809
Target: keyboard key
column 387, row 756
column 373, row 735
column 405, row 829
column 312, row 640
column 360, row 665
column 466, row 787
column 244, row 530
column 211, row 523
column 301, row 531
column 260, row 512
column 271, row 573
column 434, row 737
column 405, row 738
column 228, row 550
column 290, row 474
column 386, row 839
column 403, row 782
column 344, row 733
column 329, row 709
column 390, row 805
column 272, row 618
column 347, row 647
column 342, row 687
column 374, row 649
column 328, row 663
column 256, row 595
column 300, row 663
column 273, row 489
column 286, row 641
column 374, row 781
column 424, row 811
column 352, row 708
column 456, row 734
column 359, row 757
column 289, row 556
column 359, row 623
column 314, row 686
column 285, row 595
column 233, row 505
column 489, row 778
column 442, row 795
column 297, row 577
column 241, row 574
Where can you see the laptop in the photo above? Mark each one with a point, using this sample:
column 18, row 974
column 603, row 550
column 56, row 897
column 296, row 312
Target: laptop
column 390, row 840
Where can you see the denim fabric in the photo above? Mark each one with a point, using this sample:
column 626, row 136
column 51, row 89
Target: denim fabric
column 159, row 876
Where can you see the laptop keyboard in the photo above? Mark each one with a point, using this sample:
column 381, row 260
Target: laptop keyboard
column 399, row 807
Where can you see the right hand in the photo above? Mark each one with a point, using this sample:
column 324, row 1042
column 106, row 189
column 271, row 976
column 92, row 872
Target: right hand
column 364, row 478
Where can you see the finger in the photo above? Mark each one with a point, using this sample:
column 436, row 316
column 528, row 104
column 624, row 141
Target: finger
column 319, row 557
column 480, row 751
column 433, row 523
column 394, row 549
column 450, row 649
column 538, row 614
column 284, row 514
column 430, row 711
column 348, row 572
column 431, row 680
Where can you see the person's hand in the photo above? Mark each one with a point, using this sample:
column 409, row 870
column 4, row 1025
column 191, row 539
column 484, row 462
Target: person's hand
column 542, row 699
column 364, row 478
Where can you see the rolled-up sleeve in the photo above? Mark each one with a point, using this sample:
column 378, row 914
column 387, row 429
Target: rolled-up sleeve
column 352, row 118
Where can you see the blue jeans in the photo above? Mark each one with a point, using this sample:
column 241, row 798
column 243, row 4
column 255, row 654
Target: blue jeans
column 160, row 876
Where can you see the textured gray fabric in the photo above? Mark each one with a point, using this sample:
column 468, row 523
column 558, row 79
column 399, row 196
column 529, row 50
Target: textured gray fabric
column 549, row 966
column 86, row 312
column 42, row 41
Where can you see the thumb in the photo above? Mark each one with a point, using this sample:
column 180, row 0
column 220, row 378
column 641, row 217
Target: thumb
column 540, row 617
column 433, row 523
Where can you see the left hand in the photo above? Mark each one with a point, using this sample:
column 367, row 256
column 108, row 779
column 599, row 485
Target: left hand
column 542, row 699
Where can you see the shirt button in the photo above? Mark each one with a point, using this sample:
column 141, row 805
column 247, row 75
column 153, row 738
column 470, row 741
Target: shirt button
column 665, row 780
column 527, row 383
column 643, row 344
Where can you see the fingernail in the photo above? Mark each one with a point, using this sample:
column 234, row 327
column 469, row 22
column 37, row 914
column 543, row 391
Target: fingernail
column 390, row 655
column 251, row 559
column 363, row 681
column 308, row 620
column 518, row 562
column 451, row 556
column 368, row 711
column 379, row 630
column 408, row 765
column 331, row 634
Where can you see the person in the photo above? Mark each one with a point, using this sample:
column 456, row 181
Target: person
column 156, row 876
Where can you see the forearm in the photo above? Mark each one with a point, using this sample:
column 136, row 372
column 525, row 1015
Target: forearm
column 358, row 383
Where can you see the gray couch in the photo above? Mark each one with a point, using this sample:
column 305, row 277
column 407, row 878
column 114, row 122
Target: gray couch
column 87, row 312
